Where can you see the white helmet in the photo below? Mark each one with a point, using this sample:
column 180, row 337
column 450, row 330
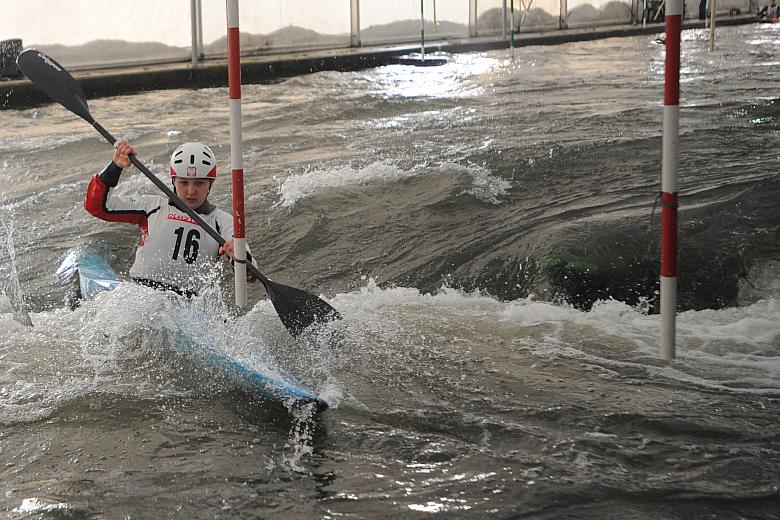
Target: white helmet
column 193, row 161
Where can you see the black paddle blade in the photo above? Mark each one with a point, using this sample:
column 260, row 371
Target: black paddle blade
column 52, row 79
column 297, row 308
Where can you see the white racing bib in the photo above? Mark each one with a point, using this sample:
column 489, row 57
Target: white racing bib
column 174, row 249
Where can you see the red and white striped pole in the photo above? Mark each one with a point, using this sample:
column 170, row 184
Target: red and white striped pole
column 236, row 151
column 670, row 159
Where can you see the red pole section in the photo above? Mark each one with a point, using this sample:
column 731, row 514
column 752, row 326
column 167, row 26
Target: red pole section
column 236, row 151
column 670, row 160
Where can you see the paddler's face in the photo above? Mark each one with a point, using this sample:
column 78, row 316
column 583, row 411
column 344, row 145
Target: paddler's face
column 192, row 191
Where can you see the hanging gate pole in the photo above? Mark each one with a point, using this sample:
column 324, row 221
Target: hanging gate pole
column 712, row 24
column 422, row 30
column 236, row 152
column 512, row 28
column 670, row 161
column 194, row 15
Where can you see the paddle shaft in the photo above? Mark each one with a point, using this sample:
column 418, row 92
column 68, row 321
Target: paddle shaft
column 179, row 203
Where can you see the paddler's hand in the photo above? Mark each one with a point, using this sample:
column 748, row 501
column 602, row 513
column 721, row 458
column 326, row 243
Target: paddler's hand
column 122, row 152
column 227, row 249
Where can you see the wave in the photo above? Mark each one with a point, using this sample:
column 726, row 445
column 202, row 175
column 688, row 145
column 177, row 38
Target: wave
column 477, row 180
column 735, row 350
column 113, row 348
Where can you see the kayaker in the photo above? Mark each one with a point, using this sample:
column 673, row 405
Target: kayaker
column 175, row 253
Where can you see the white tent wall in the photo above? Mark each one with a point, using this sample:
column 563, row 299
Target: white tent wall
column 268, row 25
column 91, row 33
column 597, row 12
column 489, row 16
column 380, row 23
column 538, row 14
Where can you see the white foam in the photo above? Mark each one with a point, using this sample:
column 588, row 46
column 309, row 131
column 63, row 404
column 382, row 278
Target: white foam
column 300, row 186
column 35, row 505
column 105, row 346
column 478, row 181
column 485, row 186
column 734, row 349
column 6, row 307
column 109, row 345
column 47, row 142
column 136, row 183
column 123, row 342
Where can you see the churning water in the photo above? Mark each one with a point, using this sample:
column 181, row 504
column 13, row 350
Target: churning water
column 487, row 229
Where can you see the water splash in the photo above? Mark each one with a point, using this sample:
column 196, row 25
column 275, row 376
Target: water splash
column 733, row 350
column 13, row 289
column 485, row 186
column 477, row 181
column 300, row 186
column 299, row 439
column 44, row 507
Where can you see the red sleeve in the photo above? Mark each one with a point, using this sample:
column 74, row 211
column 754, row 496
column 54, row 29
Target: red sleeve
column 95, row 204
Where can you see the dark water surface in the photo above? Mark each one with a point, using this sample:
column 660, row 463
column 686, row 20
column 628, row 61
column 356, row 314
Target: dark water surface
column 487, row 229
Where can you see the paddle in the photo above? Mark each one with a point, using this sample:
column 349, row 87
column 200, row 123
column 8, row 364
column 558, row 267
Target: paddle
column 296, row 308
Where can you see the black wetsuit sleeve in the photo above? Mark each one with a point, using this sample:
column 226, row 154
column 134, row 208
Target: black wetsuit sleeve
column 110, row 174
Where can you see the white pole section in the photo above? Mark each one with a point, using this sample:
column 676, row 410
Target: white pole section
column 236, row 152
column 472, row 17
column 503, row 18
column 422, row 30
column 564, row 15
column 194, row 30
column 355, row 23
column 512, row 29
column 200, row 29
column 669, row 162
column 712, row 24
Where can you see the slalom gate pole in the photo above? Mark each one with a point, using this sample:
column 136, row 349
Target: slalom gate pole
column 236, row 152
column 503, row 19
column 712, row 24
column 200, row 29
column 512, row 28
column 422, row 30
column 669, row 163
column 194, row 31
